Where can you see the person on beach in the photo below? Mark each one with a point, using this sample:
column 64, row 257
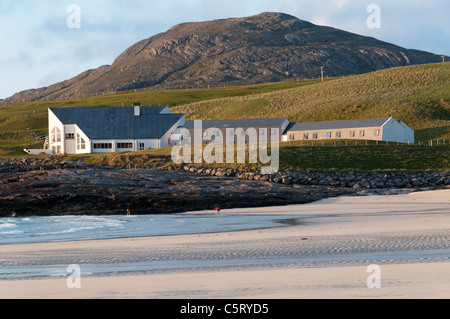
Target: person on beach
column 128, row 212
column 217, row 208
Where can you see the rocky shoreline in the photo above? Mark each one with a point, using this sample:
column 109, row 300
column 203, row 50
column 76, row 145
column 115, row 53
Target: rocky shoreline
column 37, row 187
column 350, row 179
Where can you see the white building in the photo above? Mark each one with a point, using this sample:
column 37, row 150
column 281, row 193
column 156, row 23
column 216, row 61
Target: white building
column 111, row 129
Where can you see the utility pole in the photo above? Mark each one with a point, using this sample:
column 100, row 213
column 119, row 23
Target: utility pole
column 321, row 72
column 443, row 58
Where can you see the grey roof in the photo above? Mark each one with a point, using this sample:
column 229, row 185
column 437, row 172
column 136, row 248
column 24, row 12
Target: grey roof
column 242, row 123
column 288, row 128
column 330, row 125
column 119, row 122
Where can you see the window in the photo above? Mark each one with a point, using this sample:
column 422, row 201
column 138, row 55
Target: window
column 292, row 137
column 352, row 133
column 338, row 134
column 56, row 149
column 103, row 146
column 329, row 135
column 362, row 133
column 377, row 133
column 81, row 143
column 274, row 131
column 142, row 146
column 56, row 135
column 70, row 136
column 262, row 131
column 305, row 136
column 124, row 145
column 315, row 136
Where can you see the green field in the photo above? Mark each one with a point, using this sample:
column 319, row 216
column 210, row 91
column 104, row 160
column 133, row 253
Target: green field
column 417, row 95
column 297, row 157
column 366, row 158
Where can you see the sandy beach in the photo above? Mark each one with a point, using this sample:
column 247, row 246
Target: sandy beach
column 324, row 255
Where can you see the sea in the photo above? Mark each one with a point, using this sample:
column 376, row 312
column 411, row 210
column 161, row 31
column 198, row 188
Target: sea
column 38, row 229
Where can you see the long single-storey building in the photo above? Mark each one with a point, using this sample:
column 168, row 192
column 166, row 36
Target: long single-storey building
column 111, row 129
column 381, row 129
column 233, row 131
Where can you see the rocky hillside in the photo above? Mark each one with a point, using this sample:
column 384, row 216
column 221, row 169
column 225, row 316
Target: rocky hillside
column 268, row 47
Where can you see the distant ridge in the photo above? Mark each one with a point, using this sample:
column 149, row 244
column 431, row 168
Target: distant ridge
column 268, row 47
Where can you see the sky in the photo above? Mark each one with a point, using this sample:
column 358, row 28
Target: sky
column 47, row 41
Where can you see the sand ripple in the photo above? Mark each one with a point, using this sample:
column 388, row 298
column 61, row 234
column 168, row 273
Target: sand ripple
column 389, row 247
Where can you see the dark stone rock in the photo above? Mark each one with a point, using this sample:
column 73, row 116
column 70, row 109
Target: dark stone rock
column 77, row 188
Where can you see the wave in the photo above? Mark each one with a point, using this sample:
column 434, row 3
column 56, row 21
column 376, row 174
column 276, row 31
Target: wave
column 7, row 225
column 11, row 233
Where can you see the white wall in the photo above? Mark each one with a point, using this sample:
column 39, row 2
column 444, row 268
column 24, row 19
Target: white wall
column 70, row 144
column 397, row 131
column 88, row 148
column 148, row 143
column 54, row 122
column 151, row 143
column 409, row 134
column 111, row 150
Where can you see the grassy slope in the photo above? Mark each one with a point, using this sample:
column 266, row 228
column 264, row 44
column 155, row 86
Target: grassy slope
column 295, row 156
column 418, row 95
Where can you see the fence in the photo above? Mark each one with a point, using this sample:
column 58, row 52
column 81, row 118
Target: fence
column 339, row 143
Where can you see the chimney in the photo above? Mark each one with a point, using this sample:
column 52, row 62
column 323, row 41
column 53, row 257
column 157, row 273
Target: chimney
column 137, row 109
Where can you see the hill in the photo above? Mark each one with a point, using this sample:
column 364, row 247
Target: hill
column 268, row 47
column 418, row 95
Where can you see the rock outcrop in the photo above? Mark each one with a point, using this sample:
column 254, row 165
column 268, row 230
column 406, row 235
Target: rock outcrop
column 104, row 191
column 268, row 47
